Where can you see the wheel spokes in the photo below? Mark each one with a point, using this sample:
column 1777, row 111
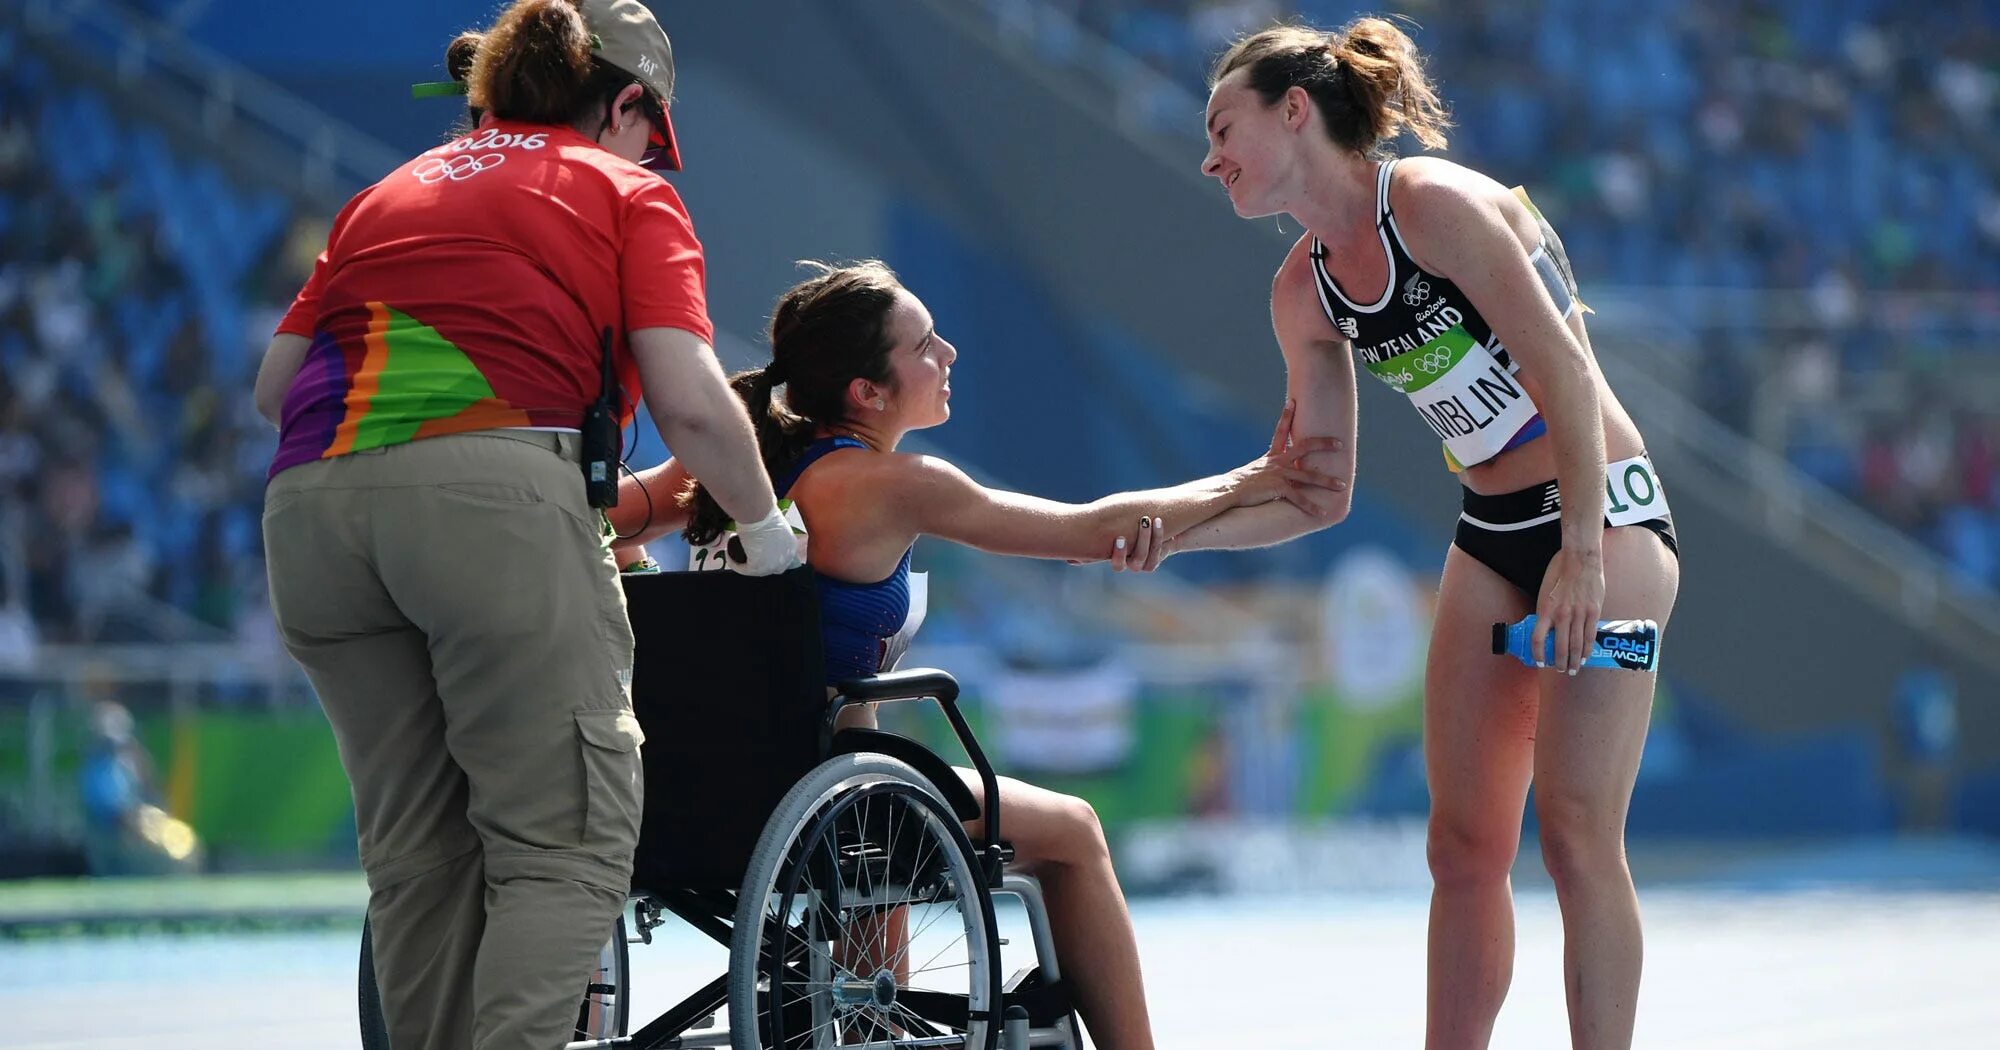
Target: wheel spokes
column 844, row 914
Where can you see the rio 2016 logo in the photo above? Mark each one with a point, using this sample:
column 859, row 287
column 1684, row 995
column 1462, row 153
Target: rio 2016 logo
column 491, row 138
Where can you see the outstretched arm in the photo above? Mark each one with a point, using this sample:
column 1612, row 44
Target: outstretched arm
column 942, row 501
column 1319, row 378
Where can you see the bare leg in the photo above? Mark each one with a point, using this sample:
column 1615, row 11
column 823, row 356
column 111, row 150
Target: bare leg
column 1058, row 840
column 880, row 940
column 1592, row 730
column 1479, row 724
column 875, row 943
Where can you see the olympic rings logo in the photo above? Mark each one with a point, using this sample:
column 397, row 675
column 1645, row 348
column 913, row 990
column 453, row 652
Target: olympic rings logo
column 1434, row 362
column 457, row 169
column 1416, row 292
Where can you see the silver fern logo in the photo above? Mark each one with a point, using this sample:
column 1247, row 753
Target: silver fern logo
column 1416, row 290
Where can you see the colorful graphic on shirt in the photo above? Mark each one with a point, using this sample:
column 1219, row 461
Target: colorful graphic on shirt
column 411, row 382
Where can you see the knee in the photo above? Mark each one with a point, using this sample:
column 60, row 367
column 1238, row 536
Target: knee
column 1582, row 844
column 1468, row 852
column 595, row 873
column 1080, row 833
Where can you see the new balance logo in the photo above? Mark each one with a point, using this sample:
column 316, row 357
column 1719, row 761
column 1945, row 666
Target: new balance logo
column 1348, row 327
column 1552, row 500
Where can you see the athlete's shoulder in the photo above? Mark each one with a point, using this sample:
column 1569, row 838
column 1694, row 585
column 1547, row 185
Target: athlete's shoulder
column 1424, row 184
column 889, row 489
column 856, row 468
column 1440, row 208
column 916, row 473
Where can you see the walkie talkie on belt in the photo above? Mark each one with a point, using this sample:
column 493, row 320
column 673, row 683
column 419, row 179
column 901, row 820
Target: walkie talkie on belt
column 602, row 440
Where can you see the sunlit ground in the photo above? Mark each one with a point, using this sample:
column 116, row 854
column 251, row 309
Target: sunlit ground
column 1725, row 969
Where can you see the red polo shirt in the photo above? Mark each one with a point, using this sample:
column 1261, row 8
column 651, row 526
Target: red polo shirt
column 468, row 290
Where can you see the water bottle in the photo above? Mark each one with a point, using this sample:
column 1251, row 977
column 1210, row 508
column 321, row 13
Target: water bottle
column 1630, row 644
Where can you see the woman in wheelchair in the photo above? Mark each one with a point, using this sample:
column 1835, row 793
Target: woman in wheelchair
column 862, row 365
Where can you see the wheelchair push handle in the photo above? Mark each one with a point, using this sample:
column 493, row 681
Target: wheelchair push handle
column 920, row 683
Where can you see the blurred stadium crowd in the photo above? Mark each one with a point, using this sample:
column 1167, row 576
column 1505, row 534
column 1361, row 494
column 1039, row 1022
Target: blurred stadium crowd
column 1815, row 185
column 135, row 296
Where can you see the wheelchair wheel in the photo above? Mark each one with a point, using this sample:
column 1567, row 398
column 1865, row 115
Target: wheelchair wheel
column 605, row 1012
column 607, row 1000
column 863, row 919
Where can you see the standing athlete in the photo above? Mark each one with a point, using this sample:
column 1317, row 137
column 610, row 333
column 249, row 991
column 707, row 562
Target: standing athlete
column 1454, row 291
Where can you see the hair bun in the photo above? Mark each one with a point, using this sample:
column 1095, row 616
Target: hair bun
column 459, row 54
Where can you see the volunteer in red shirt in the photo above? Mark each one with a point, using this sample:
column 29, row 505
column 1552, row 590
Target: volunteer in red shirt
column 434, row 563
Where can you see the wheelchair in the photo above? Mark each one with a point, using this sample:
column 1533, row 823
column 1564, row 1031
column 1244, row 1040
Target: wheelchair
column 832, row 862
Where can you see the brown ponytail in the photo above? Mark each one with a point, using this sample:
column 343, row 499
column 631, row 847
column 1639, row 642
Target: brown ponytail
column 535, row 64
column 826, row 332
column 1367, row 79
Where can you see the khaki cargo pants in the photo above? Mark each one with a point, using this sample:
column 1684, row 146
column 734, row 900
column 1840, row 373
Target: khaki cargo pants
column 456, row 608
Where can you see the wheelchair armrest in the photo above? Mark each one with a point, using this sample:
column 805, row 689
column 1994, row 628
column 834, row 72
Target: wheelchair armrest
column 920, row 683
column 913, row 684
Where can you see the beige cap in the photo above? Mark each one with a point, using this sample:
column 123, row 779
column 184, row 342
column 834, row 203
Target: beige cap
column 626, row 35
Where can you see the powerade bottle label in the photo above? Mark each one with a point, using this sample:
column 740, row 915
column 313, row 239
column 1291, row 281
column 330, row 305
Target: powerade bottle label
column 1633, row 645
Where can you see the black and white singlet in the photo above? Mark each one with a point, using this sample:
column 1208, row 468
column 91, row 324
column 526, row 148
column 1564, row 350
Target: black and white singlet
column 1425, row 339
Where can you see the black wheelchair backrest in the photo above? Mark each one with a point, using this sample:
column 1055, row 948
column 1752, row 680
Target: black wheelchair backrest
column 728, row 682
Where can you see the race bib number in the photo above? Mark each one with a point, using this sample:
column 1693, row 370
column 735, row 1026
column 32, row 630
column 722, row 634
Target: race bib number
column 714, row 556
column 1632, row 492
column 1463, row 393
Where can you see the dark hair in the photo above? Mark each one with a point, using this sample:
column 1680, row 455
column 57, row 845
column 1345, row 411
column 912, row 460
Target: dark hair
column 458, row 55
column 1367, row 80
column 826, row 332
column 458, row 58
column 535, row 64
